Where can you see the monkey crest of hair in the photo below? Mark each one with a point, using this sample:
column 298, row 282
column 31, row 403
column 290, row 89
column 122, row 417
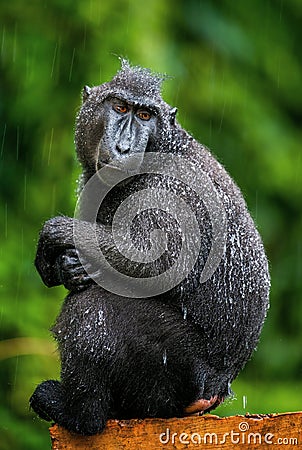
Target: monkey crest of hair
column 140, row 85
column 138, row 80
column 166, row 354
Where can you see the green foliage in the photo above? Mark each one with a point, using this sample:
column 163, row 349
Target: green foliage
column 237, row 75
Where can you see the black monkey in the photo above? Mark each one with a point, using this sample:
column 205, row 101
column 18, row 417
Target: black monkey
column 175, row 352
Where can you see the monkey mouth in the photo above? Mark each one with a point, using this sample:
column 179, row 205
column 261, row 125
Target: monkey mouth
column 114, row 172
column 110, row 164
column 130, row 166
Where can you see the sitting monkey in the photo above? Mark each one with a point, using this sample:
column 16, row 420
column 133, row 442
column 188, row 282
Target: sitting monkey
column 167, row 348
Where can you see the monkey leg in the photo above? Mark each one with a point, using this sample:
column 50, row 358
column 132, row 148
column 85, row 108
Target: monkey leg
column 166, row 374
column 124, row 357
column 86, row 400
column 156, row 359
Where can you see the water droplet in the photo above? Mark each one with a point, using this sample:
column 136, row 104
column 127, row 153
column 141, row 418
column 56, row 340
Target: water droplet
column 185, row 311
column 244, row 401
column 165, row 357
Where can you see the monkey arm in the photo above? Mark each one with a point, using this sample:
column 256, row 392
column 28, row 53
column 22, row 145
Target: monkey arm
column 75, row 263
column 57, row 258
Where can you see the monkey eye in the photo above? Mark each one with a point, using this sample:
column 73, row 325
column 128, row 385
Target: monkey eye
column 144, row 115
column 122, row 109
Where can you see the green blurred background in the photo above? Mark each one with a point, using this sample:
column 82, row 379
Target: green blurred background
column 237, row 84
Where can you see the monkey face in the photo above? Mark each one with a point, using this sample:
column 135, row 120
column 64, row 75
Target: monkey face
column 127, row 130
column 122, row 118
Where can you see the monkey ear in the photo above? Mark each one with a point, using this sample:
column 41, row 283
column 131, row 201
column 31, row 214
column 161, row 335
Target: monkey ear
column 173, row 113
column 86, row 92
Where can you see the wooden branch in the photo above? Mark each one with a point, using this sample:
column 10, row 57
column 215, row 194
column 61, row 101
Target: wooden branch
column 208, row 432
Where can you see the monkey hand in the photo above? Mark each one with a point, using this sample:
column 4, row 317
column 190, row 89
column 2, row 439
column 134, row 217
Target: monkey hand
column 71, row 272
column 55, row 237
column 57, row 260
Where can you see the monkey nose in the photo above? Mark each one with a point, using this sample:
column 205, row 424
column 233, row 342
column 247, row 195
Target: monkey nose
column 123, row 148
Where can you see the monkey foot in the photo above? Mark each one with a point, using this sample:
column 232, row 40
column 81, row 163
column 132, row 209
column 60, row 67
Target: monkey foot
column 202, row 405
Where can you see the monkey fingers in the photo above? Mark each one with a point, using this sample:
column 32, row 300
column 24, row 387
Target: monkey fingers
column 71, row 271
